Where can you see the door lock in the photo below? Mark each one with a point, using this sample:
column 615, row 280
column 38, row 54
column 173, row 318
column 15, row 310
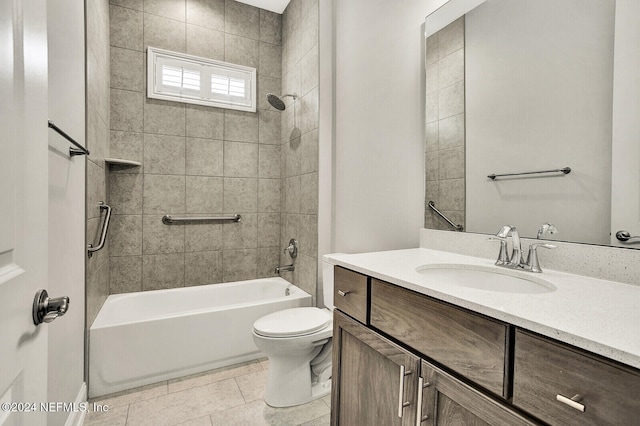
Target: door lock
column 46, row 309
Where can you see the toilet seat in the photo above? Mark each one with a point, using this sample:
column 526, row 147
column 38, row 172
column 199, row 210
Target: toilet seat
column 292, row 322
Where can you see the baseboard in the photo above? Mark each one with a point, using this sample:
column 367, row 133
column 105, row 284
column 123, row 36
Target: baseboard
column 76, row 418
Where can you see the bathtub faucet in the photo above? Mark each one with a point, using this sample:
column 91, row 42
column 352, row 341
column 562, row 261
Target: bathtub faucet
column 284, row 268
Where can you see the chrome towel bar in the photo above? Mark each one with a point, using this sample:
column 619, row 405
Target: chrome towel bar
column 439, row 213
column 565, row 170
column 172, row 220
column 80, row 150
column 103, row 234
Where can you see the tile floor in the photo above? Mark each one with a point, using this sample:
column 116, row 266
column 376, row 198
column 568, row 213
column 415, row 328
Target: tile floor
column 226, row 396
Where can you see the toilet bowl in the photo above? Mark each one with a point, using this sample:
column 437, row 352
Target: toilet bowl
column 298, row 344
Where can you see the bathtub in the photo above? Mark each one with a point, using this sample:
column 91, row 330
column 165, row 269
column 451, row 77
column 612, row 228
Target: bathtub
column 146, row 337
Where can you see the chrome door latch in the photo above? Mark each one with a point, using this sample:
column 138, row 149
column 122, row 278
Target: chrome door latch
column 46, row 309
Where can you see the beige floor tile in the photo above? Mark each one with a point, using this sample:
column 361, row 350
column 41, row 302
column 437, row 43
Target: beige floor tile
column 186, row 405
column 320, row 421
column 132, row 395
column 200, row 421
column 212, row 376
column 327, row 400
column 253, row 385
column 114, row 417
column 247, row 414
column 265, row 363
column 296, row 415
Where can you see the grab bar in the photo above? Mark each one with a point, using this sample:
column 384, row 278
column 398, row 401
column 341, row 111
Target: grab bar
column 103, row 233
column 171, row 220
column 433, row 207
column 80, row 150
column 565, row 170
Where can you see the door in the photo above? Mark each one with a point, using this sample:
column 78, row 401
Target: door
column 625, row 167
column 446, row 401
column 374, row 380
column 23, row 208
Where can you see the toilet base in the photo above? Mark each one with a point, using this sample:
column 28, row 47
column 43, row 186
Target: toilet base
column 318, row 390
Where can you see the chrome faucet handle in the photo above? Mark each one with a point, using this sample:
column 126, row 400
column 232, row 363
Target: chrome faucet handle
column 546, row 227
column 503, row 256
column 292, row 248
column 533, row 264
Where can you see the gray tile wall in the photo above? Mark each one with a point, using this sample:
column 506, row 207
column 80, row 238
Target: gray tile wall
column 299, row 148
column 196, row 160
column 445, row 149
column 97, row 33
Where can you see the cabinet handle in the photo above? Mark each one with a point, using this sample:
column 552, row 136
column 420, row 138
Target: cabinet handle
column 572, row 402
column 401, row 402
column 419, row 417
column 343, row 293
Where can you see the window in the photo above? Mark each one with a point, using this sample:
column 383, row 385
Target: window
column 184, row 78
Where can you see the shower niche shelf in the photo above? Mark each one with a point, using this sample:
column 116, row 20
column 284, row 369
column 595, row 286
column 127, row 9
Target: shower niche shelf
column 122, row 162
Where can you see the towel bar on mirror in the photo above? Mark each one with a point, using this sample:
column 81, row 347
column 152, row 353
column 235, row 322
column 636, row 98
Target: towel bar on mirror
column 565, row 170
column 456, row 227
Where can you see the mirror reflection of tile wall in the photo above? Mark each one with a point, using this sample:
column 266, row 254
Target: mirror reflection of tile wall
column 445, row 129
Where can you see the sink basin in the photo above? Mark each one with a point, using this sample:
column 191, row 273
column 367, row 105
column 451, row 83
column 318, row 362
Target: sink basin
column 485, row 278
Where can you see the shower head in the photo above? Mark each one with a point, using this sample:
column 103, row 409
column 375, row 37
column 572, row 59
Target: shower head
column 277, row 103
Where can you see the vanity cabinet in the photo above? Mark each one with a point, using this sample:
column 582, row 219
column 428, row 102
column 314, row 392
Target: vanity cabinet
column 400, row 357
column 374, row 380
column 474, row 346
column 549, row 374
column 446, row 401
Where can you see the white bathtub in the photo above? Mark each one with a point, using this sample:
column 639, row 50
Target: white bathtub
column 146, row 337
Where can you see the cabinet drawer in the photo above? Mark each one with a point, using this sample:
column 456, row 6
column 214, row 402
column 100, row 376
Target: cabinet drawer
column 350, row 293
column 545, row 369
column 469, row 344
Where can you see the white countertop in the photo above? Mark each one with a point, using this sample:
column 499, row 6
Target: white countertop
column 600, row 316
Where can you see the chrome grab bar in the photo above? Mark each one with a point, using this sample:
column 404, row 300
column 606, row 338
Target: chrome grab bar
column 171, row 220
column 565, row 170
column 103, row 233
column 80, row 150
column 433, row 207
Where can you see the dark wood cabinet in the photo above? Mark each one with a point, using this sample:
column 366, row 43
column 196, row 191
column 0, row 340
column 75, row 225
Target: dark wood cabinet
column 549, row 374
column 374, row 380
column 446, row 401
column 351, row 293
column 461, row 368
column 472, row 345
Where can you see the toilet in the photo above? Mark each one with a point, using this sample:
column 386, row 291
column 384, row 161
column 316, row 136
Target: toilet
column 298, row 343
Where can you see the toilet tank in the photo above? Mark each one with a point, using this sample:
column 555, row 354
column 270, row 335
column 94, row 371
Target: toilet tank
column 327, row 284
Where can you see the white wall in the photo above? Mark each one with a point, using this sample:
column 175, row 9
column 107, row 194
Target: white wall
column 66, row 202
column 538, row 82
column 377, row 170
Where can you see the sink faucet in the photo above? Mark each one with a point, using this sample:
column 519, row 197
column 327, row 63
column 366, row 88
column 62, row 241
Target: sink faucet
column 516, row 261
column 516, row 253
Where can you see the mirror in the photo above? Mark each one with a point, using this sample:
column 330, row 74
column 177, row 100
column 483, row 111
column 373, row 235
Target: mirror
column 521, row 86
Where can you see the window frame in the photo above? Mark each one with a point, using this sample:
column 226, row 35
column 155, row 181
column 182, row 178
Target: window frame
column 207, row 67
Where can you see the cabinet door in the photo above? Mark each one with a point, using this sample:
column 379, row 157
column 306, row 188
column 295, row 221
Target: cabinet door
column 374, row 380
column 446, row 401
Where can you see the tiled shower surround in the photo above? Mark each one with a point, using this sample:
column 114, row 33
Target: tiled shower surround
column 445, row 136
column 204, row 161
column 97, row 12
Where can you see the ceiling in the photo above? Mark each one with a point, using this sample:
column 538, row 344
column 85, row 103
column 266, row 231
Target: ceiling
column 277, row 6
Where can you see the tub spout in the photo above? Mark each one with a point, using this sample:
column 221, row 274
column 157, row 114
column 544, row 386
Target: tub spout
column 284, row 268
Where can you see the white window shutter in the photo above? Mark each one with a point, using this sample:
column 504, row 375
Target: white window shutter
column 185, row 78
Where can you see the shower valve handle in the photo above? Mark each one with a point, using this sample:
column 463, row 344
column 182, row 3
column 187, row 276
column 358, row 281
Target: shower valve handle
column 292, row 248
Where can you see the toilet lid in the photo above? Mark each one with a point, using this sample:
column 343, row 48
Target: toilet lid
column 292, row 322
